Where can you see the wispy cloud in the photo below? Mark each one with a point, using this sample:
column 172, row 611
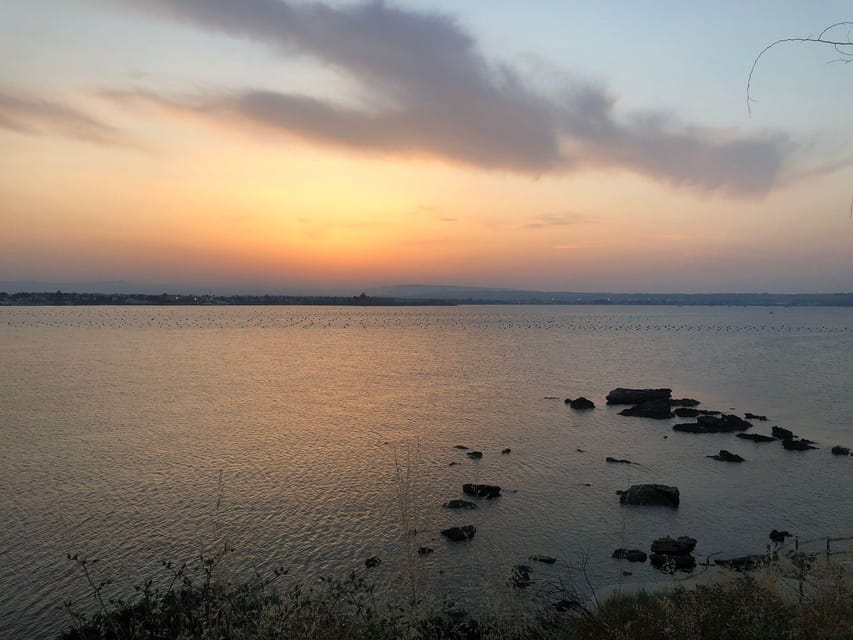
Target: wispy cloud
column 555, row 220
column 29, row 114
column 434, row 93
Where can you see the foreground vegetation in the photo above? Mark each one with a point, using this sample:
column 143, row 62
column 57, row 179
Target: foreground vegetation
column 200, row 604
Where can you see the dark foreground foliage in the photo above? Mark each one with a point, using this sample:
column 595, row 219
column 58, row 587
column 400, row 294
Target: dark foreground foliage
column 200, row 606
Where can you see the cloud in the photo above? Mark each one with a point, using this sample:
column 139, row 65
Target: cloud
column 432, row 92
column 28, row 114
column 555, row 220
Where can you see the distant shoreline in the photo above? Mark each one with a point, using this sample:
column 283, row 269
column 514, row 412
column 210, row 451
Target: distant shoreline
column 60, row 298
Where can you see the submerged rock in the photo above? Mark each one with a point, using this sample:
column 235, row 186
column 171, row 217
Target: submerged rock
column 651, row 495
column 840, row 451
column 520, row 576
column 545, row 559
column 756, row 437
column 581, row 403
column 617, row 460
column 631, row 555
column 459, row 504
column 460, row 534
column 655, row 409
column 506, row 451
column 671, row 563
column 372, row 562
column 752, row 416
column 621, row 395
column 482, row 490
column 726, row 456
column 474, row 455
column 459, row 446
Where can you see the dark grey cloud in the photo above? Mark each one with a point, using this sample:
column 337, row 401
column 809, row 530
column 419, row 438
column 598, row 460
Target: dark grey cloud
column 29, row 114
column 431, row 91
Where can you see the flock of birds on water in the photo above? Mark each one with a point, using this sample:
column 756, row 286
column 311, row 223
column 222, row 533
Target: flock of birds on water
column 324, row 318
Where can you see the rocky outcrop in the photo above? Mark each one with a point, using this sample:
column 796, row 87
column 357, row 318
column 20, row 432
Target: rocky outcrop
column 756, row 437
column 621, row 395
column 631, row 555
column 779, row 536
column 482, row 490
column 683, row 402
column 651, row 495
column 752, row 416
column 782, row 434
column 674, row 546
column 797, row 445
column 655, row 409
column 459, row 504
column 459, row 534
column 726, row 456
column 725, row 423
column 690, row 412
column 840, row 451
column 581, row 404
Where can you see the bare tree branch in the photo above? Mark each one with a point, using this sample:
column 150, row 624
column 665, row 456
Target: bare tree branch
column 843, row 47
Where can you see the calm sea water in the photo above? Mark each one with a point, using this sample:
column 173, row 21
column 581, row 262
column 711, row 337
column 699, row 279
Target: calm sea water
column 136, row 435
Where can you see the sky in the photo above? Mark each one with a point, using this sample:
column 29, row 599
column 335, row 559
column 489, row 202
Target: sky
column 305, row 146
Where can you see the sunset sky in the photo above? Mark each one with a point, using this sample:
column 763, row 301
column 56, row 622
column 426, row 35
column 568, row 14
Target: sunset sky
column 560, row 145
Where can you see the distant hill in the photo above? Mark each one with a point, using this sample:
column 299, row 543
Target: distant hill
column 485, row 295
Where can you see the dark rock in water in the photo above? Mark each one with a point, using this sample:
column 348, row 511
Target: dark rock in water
column 671, row 563
column 423, row 551
column 651, row 495
column 619, row 492
column 581, row 403
column 683, row 402
column 726, row 456
column 545, row 559
column 636, row 396
column 460, row 534
column 674, row 547
column 743, row 563
column 797, row 445
column 520, row 576
column 459, row 504
column 372, row 562
column 655, row 409
column 779, row 536
column 725, row 423
column 579, row 450
column 551, row 398
column 474, row 455
column 752, row 416
column 452, row 464
column 631, row 555
column 782, row 434
column 619, row 460
column 460, row 446
column 506, row 451
column 482, row 490
column 686, row 412
column 840, row 451
column 756, row 437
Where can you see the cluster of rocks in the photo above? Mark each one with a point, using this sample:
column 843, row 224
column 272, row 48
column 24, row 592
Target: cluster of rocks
column 667, row 554
column 650, row 495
